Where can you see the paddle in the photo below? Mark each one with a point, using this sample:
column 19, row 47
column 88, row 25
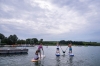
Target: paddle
column 42, row 50
column 62, row 49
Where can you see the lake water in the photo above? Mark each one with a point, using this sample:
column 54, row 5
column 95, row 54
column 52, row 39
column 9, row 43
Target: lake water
column 84, row 56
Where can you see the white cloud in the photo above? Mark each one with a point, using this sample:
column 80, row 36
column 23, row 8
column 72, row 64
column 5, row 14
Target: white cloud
column 42, row 4
column 6, row 8
column 5, row 28
column 46, row 18
column 59, row 20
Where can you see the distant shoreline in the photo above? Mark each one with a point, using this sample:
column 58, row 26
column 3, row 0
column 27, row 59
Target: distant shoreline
column 28, row 45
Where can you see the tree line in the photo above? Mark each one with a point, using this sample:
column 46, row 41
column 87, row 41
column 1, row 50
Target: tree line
column 13, row 39
column 63, row 42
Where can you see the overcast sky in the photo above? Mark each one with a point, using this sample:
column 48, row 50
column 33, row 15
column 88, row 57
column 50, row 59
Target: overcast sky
column 54, row 20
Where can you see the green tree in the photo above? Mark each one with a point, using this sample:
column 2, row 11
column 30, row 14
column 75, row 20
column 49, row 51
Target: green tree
column 35, row 40
column 31, row 41
column 28, row 41
column 12, row 39
column 15, row 38
column 5, row 40
column 2, row 36
column 18, row 41
column 41, row 40
column 62, row 42
column 22, row 41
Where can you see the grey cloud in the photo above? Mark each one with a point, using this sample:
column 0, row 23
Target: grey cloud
column 28, row 20
column 21, row 8
column 77, row 5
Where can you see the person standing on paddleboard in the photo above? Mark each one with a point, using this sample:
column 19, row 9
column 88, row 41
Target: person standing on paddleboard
column 70, row 47
column 39, row 49
column 57, row 45
column 57, row 51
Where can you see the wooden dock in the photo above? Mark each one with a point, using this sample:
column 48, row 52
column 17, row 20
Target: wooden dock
column 13, row 51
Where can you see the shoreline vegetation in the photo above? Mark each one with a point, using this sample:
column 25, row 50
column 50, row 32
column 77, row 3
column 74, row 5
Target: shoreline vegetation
column 52, row 43
column 74, row 43
column 13, row 40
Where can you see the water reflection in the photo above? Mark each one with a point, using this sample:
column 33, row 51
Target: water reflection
column 39, row 63
column 63, row 55
column 58, row 61
column 70, row 60
column 85, row 57
column 13, row 54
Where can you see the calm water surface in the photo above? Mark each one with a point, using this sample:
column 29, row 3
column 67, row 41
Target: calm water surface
column 84, row 56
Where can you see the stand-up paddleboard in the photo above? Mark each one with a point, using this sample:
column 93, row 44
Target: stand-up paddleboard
column 57, row 54
column 70, row 54
column 42, row 56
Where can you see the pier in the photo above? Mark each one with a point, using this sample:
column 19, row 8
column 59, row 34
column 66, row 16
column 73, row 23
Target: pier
column 13, row 51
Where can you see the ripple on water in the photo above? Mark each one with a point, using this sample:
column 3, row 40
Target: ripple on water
column 84, row 56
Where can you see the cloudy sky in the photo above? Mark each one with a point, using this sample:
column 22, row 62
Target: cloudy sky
column 54, row 20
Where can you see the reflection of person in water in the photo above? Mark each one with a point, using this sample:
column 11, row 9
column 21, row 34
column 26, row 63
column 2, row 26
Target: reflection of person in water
column 36, row 63
column 39, row 63
column 70, row 61
column 58, row 61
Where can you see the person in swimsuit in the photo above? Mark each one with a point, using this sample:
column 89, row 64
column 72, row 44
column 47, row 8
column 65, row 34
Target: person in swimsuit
column 57, row 51
column 39, row 49
column 70, row 47
column 57, row 45
column 36, row 55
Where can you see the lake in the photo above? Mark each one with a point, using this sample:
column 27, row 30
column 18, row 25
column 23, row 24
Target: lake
column 83, row 56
